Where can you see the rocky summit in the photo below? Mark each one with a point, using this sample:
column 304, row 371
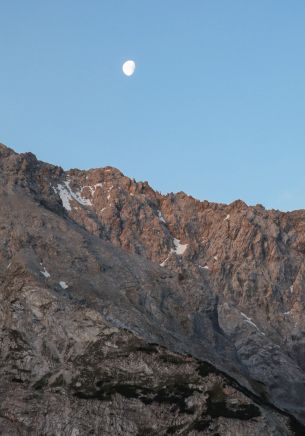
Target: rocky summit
column 128, row 312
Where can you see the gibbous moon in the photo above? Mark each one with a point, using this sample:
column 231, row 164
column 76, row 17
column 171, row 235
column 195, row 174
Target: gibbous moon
column 129, row 68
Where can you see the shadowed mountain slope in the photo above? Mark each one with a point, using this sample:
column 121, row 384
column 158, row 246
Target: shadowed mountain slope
column 127, row 312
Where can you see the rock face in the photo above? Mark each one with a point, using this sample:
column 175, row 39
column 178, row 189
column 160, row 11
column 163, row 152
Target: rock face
column 125, row 312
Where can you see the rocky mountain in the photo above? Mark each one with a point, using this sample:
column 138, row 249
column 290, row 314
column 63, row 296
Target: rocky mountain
column 127, row 312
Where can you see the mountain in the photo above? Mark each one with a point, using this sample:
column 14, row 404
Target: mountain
column 126, row 312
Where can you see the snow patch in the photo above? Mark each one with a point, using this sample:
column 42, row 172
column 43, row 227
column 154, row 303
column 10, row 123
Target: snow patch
column 179, row 248
column 227, row 217
column 291, row 288
column 45, row 273
column 66, row 195
column 109, row 189
column 63, row 285
column 98, row 185
column 161, row 218
column 77, row 196
column 92, row 188
column 203, row 267
column 249, row 321
column 164, row 262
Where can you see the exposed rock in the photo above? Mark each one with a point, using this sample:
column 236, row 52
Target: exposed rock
column 98, row 338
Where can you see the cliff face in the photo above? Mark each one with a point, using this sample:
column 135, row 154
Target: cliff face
column 127, row 312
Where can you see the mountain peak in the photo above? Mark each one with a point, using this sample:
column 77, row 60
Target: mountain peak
column 5, row 151
column 119, row 299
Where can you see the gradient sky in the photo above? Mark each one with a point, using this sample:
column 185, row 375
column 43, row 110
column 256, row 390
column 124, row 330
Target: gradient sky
column 216, row 107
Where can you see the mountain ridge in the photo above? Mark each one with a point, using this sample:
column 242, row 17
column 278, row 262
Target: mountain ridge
column 210, row 280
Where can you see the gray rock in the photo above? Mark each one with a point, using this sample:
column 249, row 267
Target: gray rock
column 98, row 338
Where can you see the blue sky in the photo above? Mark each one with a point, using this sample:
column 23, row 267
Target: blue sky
column 216, row 107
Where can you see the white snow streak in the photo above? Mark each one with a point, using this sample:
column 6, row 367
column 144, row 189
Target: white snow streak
column 63, row 285
column 66, row 195
column 161, row 218
column 179, row 248
column 77, row 196
column 164, row 262
column 45, row 273
column 109, row 189
column 98, row 185
column 249, row 321
column 92, row 188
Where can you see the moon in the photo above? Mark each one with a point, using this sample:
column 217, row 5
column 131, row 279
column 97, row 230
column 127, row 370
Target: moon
column 129, row 68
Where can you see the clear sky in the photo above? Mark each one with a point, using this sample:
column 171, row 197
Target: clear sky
column 216, row 107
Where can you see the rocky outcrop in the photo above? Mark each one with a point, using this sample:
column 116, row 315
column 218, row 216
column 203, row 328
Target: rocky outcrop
column 124, row 311
column 66, row 371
